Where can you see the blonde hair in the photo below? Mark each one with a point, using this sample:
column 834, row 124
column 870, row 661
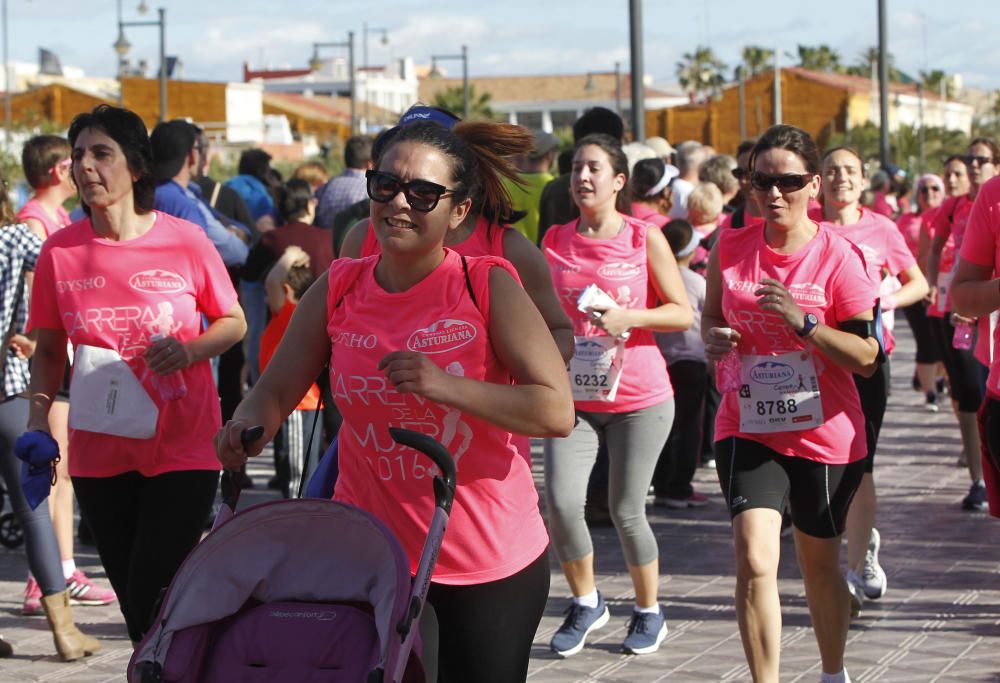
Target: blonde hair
column 704, row 204
column 312, row 172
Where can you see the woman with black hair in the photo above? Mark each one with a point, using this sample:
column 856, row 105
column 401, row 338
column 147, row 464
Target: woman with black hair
column 131, row 289
column 463, row 357
column 787, row 321
column 651, row 196
column 621, row 390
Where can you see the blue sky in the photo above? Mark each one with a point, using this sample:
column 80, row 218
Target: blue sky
column 510, row 37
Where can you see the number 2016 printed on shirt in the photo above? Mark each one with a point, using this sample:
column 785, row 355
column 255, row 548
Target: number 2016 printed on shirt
column 776, row 407
column 405, row 466
column 591, row 380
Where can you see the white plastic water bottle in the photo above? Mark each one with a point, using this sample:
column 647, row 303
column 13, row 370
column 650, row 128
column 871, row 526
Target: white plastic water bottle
column 727, row 368
column 172, row 386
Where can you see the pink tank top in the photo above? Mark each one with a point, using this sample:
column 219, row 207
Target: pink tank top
column 495, row 528
column 826, row 277
column 32, row 209
column 619, row 266
column 485, row 240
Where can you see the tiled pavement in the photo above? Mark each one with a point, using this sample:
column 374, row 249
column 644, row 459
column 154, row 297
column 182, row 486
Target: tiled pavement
column 940, row 620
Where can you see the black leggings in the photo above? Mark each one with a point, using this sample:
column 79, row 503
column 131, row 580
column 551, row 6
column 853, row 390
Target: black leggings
column 144, row 528
column 39, row 538
column 486, row 630
column 920, row 323
column 873, row 392
column 962, row 367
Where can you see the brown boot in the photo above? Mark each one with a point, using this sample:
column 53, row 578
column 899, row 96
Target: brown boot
column 70, row 642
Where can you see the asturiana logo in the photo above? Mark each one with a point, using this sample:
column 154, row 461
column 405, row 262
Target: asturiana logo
column 157, row 281
column 619, row 271
column 587, row 350
column 808, row 294
column 770, row 372
column 442, row 336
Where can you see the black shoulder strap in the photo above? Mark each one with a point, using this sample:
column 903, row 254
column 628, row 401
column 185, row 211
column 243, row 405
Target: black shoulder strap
column 468, row 282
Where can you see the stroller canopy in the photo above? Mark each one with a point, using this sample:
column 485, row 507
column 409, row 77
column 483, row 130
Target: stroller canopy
column 296, row 550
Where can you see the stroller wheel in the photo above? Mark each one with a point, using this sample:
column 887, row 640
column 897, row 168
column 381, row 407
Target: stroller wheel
column 11, row 534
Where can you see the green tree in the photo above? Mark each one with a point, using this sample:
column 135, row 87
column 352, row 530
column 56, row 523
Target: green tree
column 756, row 59
column 701, row 72
column 937, row 81
column 820, row 58
column 453, row 99
column 867, row 63
column 904, row 145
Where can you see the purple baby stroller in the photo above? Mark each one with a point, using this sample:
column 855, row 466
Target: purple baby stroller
column 303, row 590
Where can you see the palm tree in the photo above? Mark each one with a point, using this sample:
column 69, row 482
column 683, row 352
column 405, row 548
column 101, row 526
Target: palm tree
column 453, row 99
column 822, row 58
column 756, row 59
column 701, row 72
column 868, row 63
column 937, row 81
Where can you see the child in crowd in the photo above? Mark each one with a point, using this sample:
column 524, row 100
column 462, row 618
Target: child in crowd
column 47, row 168
column 705, row 205
column 286, row 282
column 685, row 356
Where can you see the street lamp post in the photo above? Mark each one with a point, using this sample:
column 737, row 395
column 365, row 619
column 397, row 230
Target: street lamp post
column 464, row 56
column 638, row 89
column 315, row 64
column 365, row 30
column 122, row 46
column 6, row 83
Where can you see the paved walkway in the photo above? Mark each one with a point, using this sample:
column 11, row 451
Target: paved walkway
column 940, row 620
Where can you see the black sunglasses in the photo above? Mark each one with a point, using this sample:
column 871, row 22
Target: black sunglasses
column 926, row 189
column 740, row 173
column 421, row 195
column 982, row 161
column 786, row 183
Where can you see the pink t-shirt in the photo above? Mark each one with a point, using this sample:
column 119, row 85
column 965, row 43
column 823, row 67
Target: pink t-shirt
column 33, row 209
column 647, row 213
column 619, row 266
column 910, row 225
column 485, row 240
column 495, row 529
column 748, row 220
column 950, row 220
column 883, row 248
column 827, row 277
column 981, row 246
column 116, row 295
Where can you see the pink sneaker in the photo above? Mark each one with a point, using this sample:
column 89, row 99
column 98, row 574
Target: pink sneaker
column 83, row 591
column 32, row 598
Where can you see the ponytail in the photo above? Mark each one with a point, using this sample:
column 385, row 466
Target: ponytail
column 491, row 144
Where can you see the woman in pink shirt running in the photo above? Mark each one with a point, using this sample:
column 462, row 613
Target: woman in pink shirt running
column 966, row 365
column 792, row 300
column 421, row 337
column 133, row 288
column 620, row 385
column 885, row 252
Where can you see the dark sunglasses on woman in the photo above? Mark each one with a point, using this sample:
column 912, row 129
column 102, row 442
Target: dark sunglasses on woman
column 786, row 183
column 421, row 195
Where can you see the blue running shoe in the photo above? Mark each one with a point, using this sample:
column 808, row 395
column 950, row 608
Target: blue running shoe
column 645, row 633
column 580, row 621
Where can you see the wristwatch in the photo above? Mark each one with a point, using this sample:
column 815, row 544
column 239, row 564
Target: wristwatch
column 808, row 325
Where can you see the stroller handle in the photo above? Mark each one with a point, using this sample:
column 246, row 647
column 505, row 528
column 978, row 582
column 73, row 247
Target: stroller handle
column 231, row 481
column 444, row 486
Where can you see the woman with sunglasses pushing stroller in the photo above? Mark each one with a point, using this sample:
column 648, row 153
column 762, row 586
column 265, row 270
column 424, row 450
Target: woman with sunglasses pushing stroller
column 787, row 320
column 422, row 338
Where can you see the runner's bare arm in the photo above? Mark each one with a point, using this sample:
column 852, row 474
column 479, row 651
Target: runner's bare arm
column 914, row 287
column 975, row 291
column 47, row 367
column 537, row 280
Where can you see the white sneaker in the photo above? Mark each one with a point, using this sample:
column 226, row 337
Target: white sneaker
column 873, row 580
column 856, row 590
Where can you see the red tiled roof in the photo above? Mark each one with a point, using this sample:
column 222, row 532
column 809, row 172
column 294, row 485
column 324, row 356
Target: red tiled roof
column 264, row 74
column 856, row 84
